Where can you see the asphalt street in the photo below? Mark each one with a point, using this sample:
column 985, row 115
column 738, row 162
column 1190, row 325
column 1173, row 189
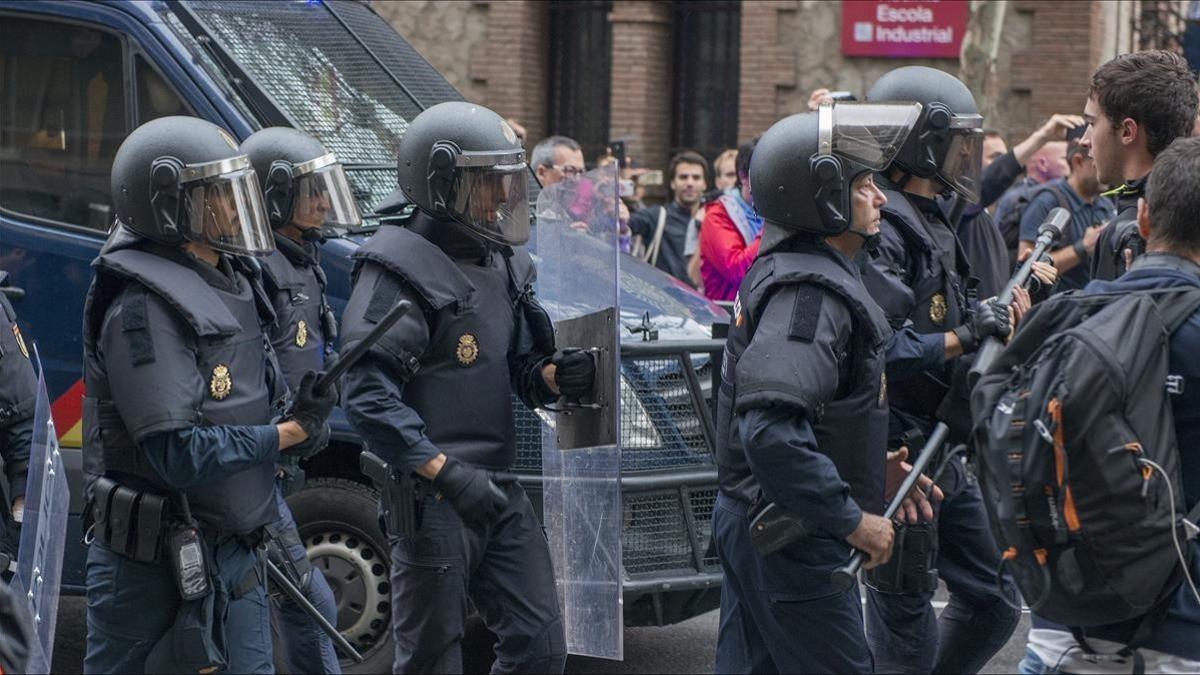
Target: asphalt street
column 683, row 648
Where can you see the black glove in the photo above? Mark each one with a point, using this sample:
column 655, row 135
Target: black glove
column 472, row 494
column 309, row 408
column 990, row 319
column 575, row 372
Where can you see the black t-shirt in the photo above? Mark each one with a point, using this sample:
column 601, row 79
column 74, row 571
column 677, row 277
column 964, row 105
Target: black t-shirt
column 671, row 258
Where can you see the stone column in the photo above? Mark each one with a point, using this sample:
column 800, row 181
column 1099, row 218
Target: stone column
column 641, row 99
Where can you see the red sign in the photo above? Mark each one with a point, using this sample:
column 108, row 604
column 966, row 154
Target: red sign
column 902, row 29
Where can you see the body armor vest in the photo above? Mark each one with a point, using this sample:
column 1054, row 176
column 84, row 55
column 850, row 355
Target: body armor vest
column 936, row 278
column 305, row 329
column 852, row 428
column 461, row 388
column 233, row 358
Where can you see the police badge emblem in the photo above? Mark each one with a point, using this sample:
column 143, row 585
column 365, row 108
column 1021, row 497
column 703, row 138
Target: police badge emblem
column 221, row 383
column 468, row 349
column 301, row 333
column 937, row 308
column 20, row 341
column 882, row 390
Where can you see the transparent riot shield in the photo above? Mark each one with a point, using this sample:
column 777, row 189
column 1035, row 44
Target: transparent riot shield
column 43, row 532
column 576, row 245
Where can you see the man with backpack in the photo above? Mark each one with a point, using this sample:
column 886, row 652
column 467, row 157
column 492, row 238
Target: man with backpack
column 1090, row 467
column 1137, row 105
column 1079, row 193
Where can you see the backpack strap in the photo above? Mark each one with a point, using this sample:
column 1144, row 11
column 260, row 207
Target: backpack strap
column 1178, row 306
column 656, row 243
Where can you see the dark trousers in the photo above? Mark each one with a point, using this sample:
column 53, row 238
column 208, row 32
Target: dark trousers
column 304, row 646
column 504, row 569
column 130, row 605
column 781, row 614
column 905, row 633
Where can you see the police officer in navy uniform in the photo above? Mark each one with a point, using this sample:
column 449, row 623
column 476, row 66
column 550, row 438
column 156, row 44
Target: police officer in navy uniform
column 802, row 415
column 920, row 276
column 18, row 395
column 304, row 191
column 434, row 397
column 184, row 394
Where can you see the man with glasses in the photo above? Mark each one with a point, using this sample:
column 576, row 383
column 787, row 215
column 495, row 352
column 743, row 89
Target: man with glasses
column 556, row 158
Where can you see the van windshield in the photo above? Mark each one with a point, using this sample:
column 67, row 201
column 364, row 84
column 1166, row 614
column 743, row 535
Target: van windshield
column 336, row 70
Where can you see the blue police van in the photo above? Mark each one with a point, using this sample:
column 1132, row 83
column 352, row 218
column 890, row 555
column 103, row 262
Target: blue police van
column 77, row 76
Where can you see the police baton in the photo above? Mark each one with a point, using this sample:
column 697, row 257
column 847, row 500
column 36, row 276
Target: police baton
column 297, row 597
column 843, row 577
column 1048, row 233
column 360, row 349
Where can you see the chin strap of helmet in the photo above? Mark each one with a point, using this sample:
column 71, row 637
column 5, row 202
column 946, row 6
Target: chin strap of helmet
column 870, row 241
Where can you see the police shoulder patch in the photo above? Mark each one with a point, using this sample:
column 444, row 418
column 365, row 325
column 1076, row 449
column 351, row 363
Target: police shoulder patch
column 806, row 313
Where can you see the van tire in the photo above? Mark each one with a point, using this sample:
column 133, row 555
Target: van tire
column 339, row 525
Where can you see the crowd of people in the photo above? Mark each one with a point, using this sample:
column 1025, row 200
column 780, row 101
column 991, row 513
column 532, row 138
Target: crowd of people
column 917, row 251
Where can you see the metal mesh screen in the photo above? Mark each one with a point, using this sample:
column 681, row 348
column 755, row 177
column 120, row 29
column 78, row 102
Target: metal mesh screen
column 424, row 82
column 660, row 426
column 655, row 536
column 529, row 439
column 370, row 186
column 316, row 73
column 702, row 501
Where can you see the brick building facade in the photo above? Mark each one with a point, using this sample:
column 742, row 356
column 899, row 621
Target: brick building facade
column 500, row 53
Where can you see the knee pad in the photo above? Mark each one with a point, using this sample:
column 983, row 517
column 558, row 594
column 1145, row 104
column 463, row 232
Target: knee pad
column 910, row 569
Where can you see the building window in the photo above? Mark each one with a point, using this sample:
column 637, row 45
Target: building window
column 707, row 42
column 62, row 116
column 580, row 73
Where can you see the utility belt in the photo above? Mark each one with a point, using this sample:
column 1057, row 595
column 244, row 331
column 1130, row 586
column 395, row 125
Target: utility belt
column 147, row 527
column 401, row 495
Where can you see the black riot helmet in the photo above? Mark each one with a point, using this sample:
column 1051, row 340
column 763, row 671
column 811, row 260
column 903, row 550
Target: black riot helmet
column 804, row 165
column 179, row 179
column 947, row 143
column 462, row 161
column 302, row 183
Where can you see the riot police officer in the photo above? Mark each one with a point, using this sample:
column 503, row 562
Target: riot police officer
column 18, row 394
column 802, row 413
column 304, row 191
column 182, row 387
column 920, row 276
column 433, row 399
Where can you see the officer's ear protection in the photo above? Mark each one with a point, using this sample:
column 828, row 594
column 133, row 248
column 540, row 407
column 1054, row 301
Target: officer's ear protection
column 442, row 157
column 831, row 195
column 165, row 199
column 828, row 174
column 933, row 141
column 279, row 193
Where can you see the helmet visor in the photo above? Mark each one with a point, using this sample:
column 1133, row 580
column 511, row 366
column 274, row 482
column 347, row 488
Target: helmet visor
column 869, row 134
column 493, row 201
column 322, row 197
column 963, row 164
column 225, row 208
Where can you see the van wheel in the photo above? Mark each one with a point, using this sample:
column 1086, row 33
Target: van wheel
column 339, row 526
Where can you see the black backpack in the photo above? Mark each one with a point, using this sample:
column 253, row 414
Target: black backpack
column 1067, row 423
